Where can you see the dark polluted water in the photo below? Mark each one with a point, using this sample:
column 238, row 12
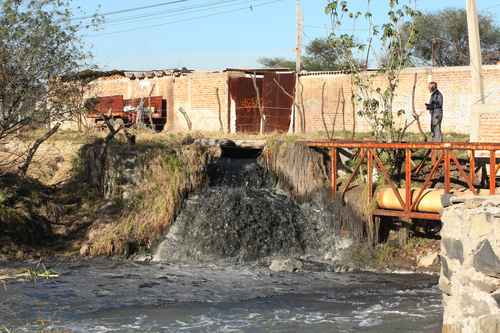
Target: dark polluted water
column 110, row 296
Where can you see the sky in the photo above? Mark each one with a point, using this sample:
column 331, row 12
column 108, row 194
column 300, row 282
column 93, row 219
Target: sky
column 217, row 34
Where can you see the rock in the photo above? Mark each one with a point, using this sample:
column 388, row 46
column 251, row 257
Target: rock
column 473, row 203
column 470, row 267
column 286, row 265
column 215, row 142
column 489, row 324
column 473, row 306
column 126, row 195
column 142, row 258
column 428, row 260
column 496, row 296
column 445, row 270
column 188, row 140
column 452, row 328
column 454, row 249
column 481, row 226
column 483, row 283
column 85, row 250
column 486, row 261
column 445, row 285
column 108, row 208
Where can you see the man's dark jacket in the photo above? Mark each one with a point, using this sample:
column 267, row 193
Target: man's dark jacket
column 435, row 105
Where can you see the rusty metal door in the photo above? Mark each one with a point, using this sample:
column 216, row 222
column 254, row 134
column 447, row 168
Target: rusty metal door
column 279, row 92
column 247, row 111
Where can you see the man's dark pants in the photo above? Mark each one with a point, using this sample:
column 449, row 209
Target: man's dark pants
column 436, row 119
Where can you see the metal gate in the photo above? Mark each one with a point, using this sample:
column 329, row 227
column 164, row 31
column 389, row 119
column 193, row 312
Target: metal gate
column 276, row 91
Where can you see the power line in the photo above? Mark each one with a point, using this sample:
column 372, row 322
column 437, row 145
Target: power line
column 175, row 12
column 128, row 10
column 188, row 19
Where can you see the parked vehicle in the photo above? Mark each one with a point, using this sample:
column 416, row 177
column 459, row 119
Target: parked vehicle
column 148, row 111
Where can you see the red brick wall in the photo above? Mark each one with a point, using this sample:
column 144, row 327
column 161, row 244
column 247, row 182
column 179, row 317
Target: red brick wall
column 454, row 83
column 196, row 93
column 489, row 127
column 203, row 96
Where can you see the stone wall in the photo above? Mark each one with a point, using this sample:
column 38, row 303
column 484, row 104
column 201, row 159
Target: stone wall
column 470, row 267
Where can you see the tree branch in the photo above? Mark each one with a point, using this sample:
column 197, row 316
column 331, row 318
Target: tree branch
column 414, row 111
column 259, row 105
column 23, row 169
column 323, row 111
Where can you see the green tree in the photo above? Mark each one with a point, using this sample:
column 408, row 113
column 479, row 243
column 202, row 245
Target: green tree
column 375, row 102
column 277, row 62
column 40, row 48
column 320, row 56
column 447, row 31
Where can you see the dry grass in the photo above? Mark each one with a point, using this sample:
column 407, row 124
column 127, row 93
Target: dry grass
column 53, row 162
column 168, row 176
column 298, row 168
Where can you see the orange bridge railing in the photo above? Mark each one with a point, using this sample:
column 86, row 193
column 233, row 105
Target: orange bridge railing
column 438, row 155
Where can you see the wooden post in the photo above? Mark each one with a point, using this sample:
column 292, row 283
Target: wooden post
column 493, row 171
column 369, row 165
column 472, row 166
column 333, row 171
column 408, row 202
column 447, row 171
column 229, row 103
column 298, row 62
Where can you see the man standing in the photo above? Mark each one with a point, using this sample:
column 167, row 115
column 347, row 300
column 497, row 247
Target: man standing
column 435, row 107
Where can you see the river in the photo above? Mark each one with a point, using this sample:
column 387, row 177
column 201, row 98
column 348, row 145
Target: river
column 103, row 295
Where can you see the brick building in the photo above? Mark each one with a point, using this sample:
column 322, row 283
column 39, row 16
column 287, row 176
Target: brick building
column 226, row 100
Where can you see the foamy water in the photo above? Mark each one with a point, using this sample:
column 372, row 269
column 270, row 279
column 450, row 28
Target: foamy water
column 105, row 296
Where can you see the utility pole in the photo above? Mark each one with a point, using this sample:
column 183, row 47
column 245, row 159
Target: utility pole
column 475, row 52
column 434, row 46
column 299, row 32
column 298, row 62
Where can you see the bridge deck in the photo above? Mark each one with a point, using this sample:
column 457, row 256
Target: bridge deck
column 447, row 156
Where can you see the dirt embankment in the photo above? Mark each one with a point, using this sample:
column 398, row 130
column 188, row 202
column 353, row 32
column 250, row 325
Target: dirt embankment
column 108, row 204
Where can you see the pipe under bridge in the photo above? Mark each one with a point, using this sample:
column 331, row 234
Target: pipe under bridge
column 423, row 164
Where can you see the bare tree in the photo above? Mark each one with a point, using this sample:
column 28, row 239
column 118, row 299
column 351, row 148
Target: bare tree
column 186, row 118
column 416, row 115
column 219, row 104
column 323, row 119
column 298, row 103
column 259, row 104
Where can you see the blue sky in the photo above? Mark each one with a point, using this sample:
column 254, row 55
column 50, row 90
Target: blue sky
column 236, row 38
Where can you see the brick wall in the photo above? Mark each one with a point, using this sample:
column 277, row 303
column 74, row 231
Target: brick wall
column 489, row 132
column 130, row 89
column 196, row 94
column 204, row 97
column 454, row 83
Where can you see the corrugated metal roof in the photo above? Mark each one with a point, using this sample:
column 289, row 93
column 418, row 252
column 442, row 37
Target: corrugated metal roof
column 258, row 70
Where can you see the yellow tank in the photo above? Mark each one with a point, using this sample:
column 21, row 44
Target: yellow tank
column 430, row 201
